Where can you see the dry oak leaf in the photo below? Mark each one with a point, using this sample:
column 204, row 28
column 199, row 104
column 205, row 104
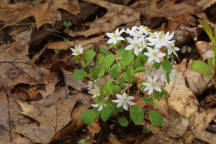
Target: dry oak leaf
column 116, row 15
column 51, row 119
column 86, row 43
column 14, row 64
column 44, row 13
column 200, row 122
column 204, row 50
column 9, row 117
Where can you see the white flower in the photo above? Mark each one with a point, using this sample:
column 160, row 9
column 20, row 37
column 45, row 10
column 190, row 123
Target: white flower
column 115, row 36
column 152, row 85
column 134, row 44
column 176, row 77
column 99, row 106
column 160, row 73
column 95, row 91
column 172, row 49
column 124, row 100
column 144, row 29
column 154, row 55
column 134, row 31
column 158, row 39
column 77, row 50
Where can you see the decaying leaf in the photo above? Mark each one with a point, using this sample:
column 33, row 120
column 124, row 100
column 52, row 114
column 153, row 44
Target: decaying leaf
column 196, row 81
column 204, row 50
column 51, row 119
column 200, row 123
column 65, row 45
column 44, row 13
column 116, row 15
column 14, row 67
column 70, row 81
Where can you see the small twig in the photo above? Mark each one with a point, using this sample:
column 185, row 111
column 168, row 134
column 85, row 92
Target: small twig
column 37, row 55
column 9, row 117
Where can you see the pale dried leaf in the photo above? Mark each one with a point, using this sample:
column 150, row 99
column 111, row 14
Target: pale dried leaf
column 204, row 50
column 116, row 15
column 44, row 13
column 196, row 81
column 70, row 81
column 86, row 43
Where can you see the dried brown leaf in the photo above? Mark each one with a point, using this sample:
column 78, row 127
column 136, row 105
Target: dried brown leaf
column 86, row 43
column 14, row 67
column 204, row 50
column 116, row 15
column 44, row 13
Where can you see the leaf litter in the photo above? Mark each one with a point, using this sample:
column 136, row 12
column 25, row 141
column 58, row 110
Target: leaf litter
column 56, row 100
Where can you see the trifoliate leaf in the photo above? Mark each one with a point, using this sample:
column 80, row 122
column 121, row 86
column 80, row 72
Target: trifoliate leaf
column 79, row 74
column 107, row 88
column 155, row 118
column 105, row 51
column 108, row 61
column 140, row 60
column 126, row 57
column 136, row 115
column 123, row 121
column 201, row 67
column 167, row 66
column 89, row 116
column 211, row 63
column 139, row 69
column 100, row 58
column 159, row 95
column 146, row 99
column 128, row 75
column 89, row 55
column 97, row 72
column 115, row 71
column 107, row 112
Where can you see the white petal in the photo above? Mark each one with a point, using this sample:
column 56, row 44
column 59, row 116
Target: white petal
column 119, row 96
column 117, row 101
column 130, row 97
column 150, row 91
column 109, row 34
column 125, row 106
column 129, row 47
column 131, row 103
column 119, row 105
column 157, row 88
column 100, row 108
column 94, row 105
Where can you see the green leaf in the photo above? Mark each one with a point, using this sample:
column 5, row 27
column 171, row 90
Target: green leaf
column 145, row 130
column 89, row 116
column 100, row 58
column 123, row 121
column 128, row 75
column 115, row 71
column 116, row 89
column 160, row 95
column 116, row 44
column 139, row 69
column 201, row 67
column 105, row 51
column 140, row 60
column 207, row 29
column 211, row 63
column 79, row 74
column 156, row 65
column 155, row 118
column 167, row 66
column 126, row 57
column 108, row 61
column 107, row 112
column 136, row 115
column 107, row 88
column 146, row 99
column 89, row 55
column 97, row 72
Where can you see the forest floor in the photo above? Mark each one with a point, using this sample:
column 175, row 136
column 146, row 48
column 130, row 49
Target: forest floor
column 40, row 100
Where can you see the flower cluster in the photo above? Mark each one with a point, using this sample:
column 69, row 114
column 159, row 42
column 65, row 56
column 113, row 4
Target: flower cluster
column 156, row 46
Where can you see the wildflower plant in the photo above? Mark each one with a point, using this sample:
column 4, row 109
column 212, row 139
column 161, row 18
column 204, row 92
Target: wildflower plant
column 112, row 75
